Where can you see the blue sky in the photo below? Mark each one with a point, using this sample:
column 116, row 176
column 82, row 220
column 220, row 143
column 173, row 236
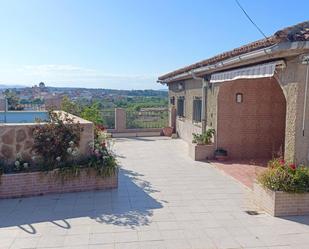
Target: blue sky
column 126, row 44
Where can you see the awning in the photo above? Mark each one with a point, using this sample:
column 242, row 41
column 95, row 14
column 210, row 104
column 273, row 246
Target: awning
column 253, row 72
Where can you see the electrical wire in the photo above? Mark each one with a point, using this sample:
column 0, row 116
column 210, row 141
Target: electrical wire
column 247, row 15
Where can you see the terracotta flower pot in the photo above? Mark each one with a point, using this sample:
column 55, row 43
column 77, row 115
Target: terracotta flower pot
column 168, row 131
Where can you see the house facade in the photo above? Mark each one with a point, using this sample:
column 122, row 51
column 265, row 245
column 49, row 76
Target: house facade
column 255, row 97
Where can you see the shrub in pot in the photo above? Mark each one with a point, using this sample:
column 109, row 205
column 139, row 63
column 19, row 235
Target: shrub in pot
column 204, row 138
column 282, row 176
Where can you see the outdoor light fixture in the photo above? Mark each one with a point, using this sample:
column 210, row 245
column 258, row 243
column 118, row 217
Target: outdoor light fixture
column 239, row 97
column 180, row 86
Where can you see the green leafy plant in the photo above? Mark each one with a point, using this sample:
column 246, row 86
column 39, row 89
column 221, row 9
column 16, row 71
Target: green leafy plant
column 282, row 176
column 204, row 138
column 92, row 113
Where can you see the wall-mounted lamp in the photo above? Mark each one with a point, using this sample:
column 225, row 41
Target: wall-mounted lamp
column 239, row 98
column 180, row 86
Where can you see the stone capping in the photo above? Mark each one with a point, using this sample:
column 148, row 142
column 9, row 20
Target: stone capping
column 41, row 183
column 279, row 203
column 200, row 152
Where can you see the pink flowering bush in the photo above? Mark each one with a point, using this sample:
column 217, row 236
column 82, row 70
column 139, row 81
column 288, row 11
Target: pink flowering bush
column 102, row 159
column 283, row 176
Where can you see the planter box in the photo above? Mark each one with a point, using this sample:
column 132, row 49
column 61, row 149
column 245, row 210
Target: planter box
column 278, row 203
column 41, row 183
column 200, row 152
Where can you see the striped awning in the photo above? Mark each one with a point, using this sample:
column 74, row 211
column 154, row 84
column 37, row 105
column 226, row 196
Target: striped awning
column 253, row 72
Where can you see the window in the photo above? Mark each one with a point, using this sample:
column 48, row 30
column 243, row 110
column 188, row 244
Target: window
column 197, row 110
column 172, row 100
column 181, row 107
column 239, row 98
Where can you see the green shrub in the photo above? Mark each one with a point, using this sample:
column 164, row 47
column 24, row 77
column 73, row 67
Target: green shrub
column 281, row 176
column 204, row 138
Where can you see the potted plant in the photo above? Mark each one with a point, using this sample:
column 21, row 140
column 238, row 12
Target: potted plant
column 204, row 138
column 202, row 147
column 221, row 154
column 168, row 131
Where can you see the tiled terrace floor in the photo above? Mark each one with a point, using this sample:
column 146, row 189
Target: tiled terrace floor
column 164, row 200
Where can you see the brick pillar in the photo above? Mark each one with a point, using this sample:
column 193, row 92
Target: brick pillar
column 120, row 119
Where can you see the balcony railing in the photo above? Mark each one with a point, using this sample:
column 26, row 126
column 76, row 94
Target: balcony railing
column 146, row 119
column 108, row 118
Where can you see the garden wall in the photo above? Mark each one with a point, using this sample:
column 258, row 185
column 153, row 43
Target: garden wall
column 40, row 183
column 278, row 203
column 17, row 139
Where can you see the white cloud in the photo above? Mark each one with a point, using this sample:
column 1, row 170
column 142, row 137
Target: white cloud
column 71, row 75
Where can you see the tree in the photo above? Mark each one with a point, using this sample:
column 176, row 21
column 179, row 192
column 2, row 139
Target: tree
column 13, row 100
column 92, row 113
column 69, row 106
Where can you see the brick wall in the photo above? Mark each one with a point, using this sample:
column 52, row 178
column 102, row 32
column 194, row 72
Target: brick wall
column 40, row 183
column 280, row 203
column 254, row 128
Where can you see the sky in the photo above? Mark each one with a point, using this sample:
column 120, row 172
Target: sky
column 126, row 44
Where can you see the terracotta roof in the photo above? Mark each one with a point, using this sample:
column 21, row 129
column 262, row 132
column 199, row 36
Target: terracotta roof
column 298, row 32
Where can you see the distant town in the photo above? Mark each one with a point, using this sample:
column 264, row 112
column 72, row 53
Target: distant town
column 41, row 96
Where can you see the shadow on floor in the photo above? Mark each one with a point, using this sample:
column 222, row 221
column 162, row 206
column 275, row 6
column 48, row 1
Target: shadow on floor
column 301, row 219
column 130, row 205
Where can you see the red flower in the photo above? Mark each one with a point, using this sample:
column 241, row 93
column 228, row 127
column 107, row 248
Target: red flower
column 101, row 127
column 282, row 162
column 292, row 166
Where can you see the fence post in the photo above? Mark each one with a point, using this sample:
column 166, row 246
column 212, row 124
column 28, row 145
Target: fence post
column 120, row 120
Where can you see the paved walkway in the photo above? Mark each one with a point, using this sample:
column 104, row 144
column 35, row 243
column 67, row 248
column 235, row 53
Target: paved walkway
column 164, row 200
column 243, row 171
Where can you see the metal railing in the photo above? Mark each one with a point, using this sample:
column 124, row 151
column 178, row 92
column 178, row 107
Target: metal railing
column 108, row 117
column 146, row 119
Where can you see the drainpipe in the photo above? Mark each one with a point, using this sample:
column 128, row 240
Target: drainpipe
column 204, row 98
column 306, row 62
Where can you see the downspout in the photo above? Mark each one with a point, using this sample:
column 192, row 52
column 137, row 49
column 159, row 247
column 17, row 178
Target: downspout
column 204, row 98
column 305, row 61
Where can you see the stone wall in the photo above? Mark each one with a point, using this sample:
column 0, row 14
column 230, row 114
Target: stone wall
column 293, row 80
column 16, row 139
column 185, row 128
column 278, row 203
column 185, row 125
column 39, row 183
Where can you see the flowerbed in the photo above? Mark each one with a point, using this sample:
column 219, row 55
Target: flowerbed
column 57, row 162
column 283, row 189
column 287, row 177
